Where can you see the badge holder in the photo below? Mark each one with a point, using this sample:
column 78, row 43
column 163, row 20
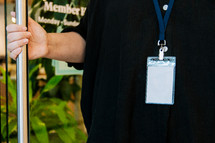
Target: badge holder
column 160, row 81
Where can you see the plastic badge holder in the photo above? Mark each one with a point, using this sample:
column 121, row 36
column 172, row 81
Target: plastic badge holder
column 160, row 84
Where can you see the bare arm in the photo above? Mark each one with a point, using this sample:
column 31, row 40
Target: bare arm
column 68, row 47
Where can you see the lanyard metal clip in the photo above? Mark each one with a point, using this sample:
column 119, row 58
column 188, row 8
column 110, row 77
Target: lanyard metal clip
column 163, row 49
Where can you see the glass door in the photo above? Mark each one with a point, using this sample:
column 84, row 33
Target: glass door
column 54, row 92
column 7, row 78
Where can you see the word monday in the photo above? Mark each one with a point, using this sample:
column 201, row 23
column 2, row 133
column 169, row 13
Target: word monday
column 49, row 6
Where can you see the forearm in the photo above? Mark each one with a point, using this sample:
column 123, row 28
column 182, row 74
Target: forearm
column 69, row 47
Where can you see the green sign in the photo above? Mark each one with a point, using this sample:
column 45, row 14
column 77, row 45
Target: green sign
column 61, row 68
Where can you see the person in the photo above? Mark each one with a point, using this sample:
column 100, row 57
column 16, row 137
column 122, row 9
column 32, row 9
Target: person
column 112, row 44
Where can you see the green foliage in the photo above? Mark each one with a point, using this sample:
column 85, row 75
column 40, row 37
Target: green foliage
column 55, row 116
column 40, row 129
column 3, row 123
column 12, row 116
column 46, row 115
column 31, row 74
column 52, row 83
column 11, row 84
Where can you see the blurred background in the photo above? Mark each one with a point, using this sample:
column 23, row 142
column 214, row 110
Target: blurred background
column 54, row 88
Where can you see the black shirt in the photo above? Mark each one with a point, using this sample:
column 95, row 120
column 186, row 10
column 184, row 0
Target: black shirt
column 120, row 35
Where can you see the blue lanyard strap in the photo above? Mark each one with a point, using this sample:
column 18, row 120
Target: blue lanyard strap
column 163, row 22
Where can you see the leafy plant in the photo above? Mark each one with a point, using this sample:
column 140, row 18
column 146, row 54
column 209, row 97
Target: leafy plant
column 48, row 116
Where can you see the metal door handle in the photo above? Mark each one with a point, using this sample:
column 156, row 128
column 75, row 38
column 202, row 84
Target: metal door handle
column 22, row 79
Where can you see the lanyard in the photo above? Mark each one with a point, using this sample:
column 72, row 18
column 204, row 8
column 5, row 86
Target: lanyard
column 162, row 24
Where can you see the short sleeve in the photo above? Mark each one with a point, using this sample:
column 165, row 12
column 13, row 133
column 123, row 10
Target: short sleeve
column 82, row 30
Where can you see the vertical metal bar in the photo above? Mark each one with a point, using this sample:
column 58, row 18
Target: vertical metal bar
column 22, row 78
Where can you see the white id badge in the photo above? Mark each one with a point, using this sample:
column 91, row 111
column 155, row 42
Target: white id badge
column 160, row 81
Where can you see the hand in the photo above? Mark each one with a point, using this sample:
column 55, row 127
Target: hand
column 35, row 37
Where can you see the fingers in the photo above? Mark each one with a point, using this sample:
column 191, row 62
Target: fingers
column 15, row 53
column 17, row 44
column 15, row 36
column 16, row 28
